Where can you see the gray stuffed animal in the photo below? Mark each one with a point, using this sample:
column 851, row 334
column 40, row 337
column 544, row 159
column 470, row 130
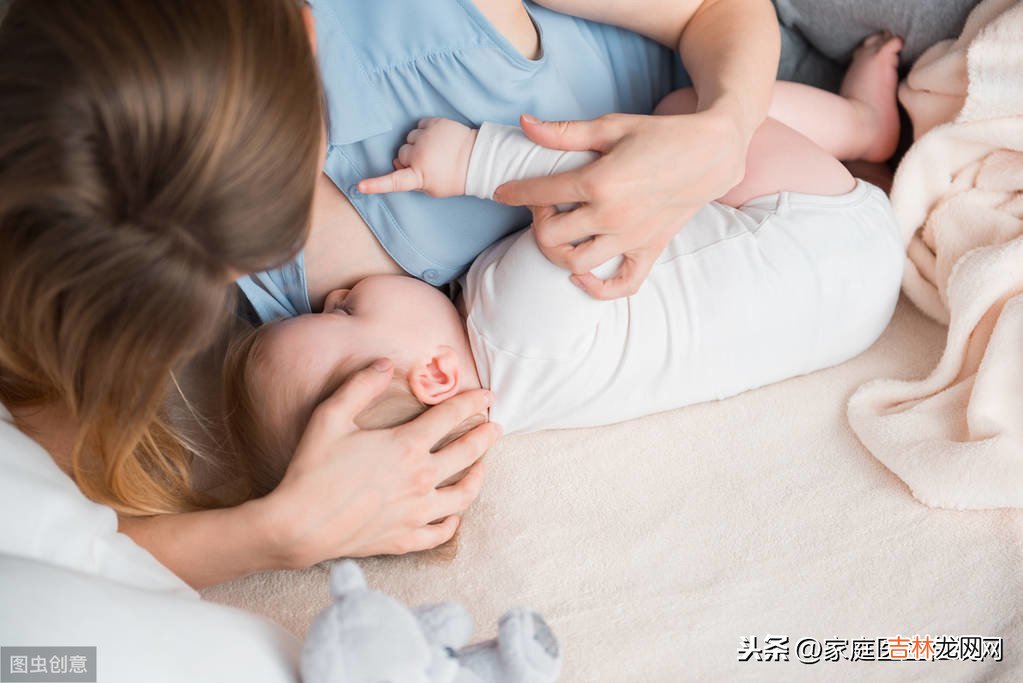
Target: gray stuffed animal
column 369, row 637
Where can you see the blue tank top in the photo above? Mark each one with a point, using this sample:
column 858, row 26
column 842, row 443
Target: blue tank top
column 388, row 63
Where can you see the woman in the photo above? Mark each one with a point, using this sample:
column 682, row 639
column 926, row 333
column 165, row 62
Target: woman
column 144, row 165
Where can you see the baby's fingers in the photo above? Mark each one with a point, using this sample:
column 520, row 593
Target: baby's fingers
column 402, row 180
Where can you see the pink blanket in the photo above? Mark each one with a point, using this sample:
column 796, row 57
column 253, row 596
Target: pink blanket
column 956, row 437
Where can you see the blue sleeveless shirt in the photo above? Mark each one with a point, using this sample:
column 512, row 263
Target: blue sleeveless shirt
column 388, row 63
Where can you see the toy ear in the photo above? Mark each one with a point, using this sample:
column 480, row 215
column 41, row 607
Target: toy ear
column 345, row 577
column 448, row 623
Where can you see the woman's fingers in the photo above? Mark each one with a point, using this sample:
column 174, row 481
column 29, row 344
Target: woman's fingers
column 585, row 256
column 563, row 188
column 572, row 187
column 428, row 536
column 338, row 411
column 465, row 451
column 402, row 180
column 598, row 134
column 455, row 499
column 365, row 492
column 560, row 229
column 631, row 274
column 438, row 421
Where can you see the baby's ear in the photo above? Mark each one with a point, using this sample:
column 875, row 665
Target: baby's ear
column 437, row 379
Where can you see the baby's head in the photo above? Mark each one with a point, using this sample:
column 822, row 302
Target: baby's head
column 277, row 375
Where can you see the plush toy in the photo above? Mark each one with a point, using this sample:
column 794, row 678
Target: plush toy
column 369, row 637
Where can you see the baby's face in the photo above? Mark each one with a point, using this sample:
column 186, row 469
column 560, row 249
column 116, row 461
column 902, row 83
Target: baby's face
column 383, row 316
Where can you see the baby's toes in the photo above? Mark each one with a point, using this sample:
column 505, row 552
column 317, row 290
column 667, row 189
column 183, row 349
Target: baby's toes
column 894, row 45
column 873, row 41
column 876, row 42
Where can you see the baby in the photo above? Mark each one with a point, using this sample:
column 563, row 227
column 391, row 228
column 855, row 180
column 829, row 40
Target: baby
column 737, row 300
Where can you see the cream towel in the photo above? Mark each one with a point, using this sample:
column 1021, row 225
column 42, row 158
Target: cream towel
column 956, row 437
column 935, row 90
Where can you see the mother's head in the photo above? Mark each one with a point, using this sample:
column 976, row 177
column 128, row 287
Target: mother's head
column 149, row 152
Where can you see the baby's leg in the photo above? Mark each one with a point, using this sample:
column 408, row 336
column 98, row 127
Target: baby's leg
column 779, row 160
column 808, row 129
column 862, row 122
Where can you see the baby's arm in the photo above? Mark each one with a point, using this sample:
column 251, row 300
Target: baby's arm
column 444, row 158
column 433, row 160
column 517, row 299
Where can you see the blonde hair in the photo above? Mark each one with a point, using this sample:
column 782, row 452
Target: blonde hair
column 265, row 431
column 147, row 151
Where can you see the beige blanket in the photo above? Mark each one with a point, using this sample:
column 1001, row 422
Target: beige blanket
column 654, row 546
column 956, row 437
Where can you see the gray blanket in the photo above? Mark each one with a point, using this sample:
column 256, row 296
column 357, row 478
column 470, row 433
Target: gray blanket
column 819, row 36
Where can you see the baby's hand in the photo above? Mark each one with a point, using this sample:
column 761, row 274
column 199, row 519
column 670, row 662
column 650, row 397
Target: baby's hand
column 434, row 160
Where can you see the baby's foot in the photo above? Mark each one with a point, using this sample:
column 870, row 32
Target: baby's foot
column 870, row 84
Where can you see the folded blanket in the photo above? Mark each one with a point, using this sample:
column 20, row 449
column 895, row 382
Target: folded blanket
column 956, row 437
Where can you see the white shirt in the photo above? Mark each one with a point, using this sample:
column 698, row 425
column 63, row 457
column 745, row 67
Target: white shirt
column 68, row 578
column 740, row 298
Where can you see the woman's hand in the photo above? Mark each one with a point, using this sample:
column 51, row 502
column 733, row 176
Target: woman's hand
column 656, row 172
column 351, row 493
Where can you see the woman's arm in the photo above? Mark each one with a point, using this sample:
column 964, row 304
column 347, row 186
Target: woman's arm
column 347, row 493
column 729, row 47
column 674, row 164
column 208, row 547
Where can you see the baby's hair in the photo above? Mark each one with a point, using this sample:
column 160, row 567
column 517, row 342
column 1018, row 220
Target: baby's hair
column 265, row 442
